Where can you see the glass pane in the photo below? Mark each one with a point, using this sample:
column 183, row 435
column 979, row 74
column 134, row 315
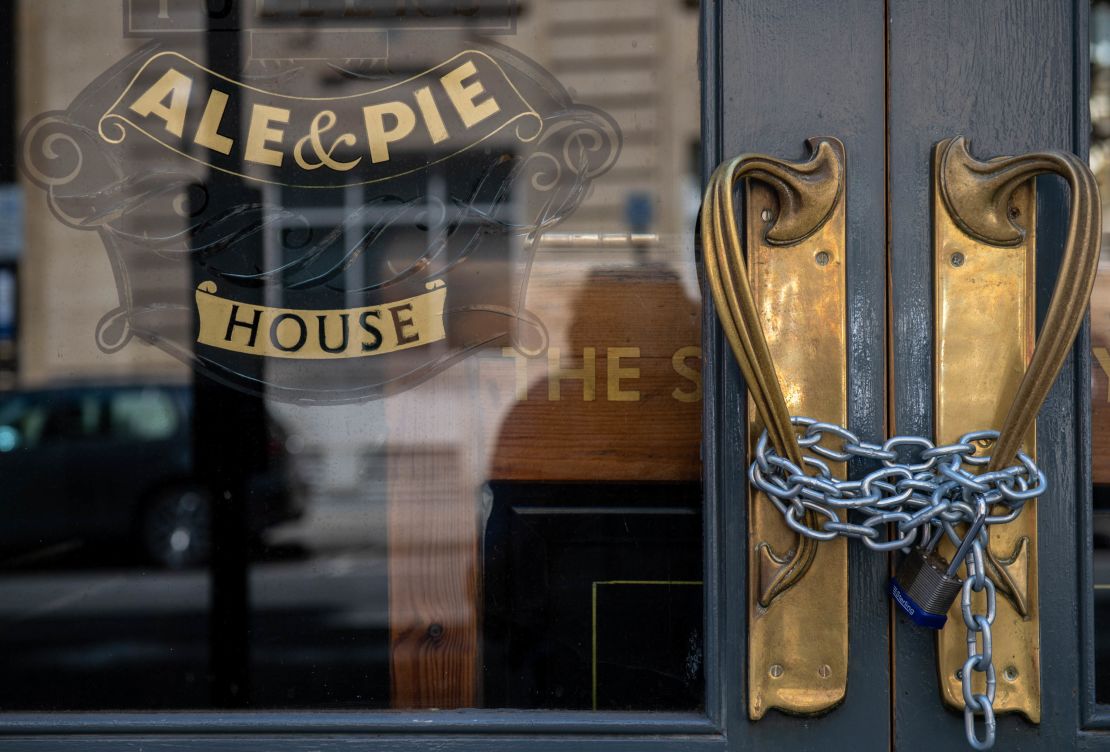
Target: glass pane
column 350, row 355
column 1100, row 342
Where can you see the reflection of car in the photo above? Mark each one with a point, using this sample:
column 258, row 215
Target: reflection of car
column 114, row 465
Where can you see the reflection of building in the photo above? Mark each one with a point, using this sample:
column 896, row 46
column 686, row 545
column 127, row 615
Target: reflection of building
column 66, row 281
column 428, row 451
column 625, row 57
column 628, row 58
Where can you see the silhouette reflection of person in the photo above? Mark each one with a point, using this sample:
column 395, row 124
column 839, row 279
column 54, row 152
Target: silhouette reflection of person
column 612, row 408
column 616, row 400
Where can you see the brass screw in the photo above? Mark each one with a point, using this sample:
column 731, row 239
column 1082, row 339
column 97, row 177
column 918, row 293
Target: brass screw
column 957, row 259
column 776, row 671
column 825, row 671
column 1010, row 673
column 822, row 258
column 766, row 214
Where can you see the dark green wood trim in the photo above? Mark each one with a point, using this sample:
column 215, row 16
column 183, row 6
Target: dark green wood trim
column 786, row 71
column 1012, row 76
column 498, row 723
column 265, row 742
column 723, row 618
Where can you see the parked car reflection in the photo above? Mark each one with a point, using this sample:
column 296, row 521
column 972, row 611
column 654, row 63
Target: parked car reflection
column 112, row 466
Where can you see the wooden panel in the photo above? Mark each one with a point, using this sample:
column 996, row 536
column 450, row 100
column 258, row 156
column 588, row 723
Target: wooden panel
column 1007, row 75
column 637, row 417
column 433, row 548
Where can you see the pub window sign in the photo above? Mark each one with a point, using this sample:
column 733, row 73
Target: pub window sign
column 460, row 154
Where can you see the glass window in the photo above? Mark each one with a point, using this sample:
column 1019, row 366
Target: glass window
column 381, row 334
column 1100, row 342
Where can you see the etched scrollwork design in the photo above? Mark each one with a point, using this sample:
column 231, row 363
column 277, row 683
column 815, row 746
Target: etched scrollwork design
column 576, row 146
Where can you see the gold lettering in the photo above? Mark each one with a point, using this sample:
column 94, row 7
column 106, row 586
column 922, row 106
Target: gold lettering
column 1102, row 355
column 177, row 87
column 520, row 367
column 208, row 131
column 376, row 132
column 320, row 124
column 587, row 374
column 615, row 373
column 678, row 362
column 463, row 95
column 260, row 134
column 317, row 334
column 298, row 324
column 427, row 103
column 401, row 323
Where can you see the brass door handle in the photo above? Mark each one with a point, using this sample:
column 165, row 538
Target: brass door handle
column 795, row 242
column 988, row 371
column 984, row 247
column 807, row 193
column 979, row 195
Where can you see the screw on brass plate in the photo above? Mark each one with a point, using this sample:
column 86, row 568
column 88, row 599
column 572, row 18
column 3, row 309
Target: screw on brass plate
column 957, row 259
column 1013, row 212
column 822, row 258
column 1010, row 673
column 825, row 671
column 776, row 671
column 766, row 215
column 959, row 674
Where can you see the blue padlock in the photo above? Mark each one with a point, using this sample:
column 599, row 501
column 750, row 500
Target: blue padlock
column 924, row 589
column 925, row 585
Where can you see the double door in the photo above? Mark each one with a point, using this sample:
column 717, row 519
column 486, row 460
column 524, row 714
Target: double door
column 891, row 83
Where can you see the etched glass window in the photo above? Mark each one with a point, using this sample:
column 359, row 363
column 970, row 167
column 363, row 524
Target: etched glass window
column 351, row 355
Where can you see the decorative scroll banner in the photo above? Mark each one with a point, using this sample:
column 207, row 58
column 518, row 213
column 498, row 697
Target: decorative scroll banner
column 318, row 334
column 314, row 142
column 421, row 255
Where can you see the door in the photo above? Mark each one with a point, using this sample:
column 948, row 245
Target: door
column 466, row 443
column 1006, row 114
column 891, row 83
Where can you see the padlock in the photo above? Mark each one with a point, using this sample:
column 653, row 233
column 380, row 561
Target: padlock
column 924, row 589
column 925, row 585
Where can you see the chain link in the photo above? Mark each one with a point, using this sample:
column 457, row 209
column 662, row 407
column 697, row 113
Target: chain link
column 919, row 494
column 980, row 650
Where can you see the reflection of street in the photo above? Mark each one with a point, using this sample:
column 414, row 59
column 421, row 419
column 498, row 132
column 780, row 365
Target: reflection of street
column 345, row 502
column 137, row 638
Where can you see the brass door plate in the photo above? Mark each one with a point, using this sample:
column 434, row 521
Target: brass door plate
column 797, row 636
column 984, row 331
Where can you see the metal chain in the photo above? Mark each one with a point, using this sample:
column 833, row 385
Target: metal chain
column 921, row 493
column 980, row 650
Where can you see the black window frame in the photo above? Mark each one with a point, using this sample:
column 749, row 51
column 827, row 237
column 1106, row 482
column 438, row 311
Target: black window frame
column 1068, row 663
